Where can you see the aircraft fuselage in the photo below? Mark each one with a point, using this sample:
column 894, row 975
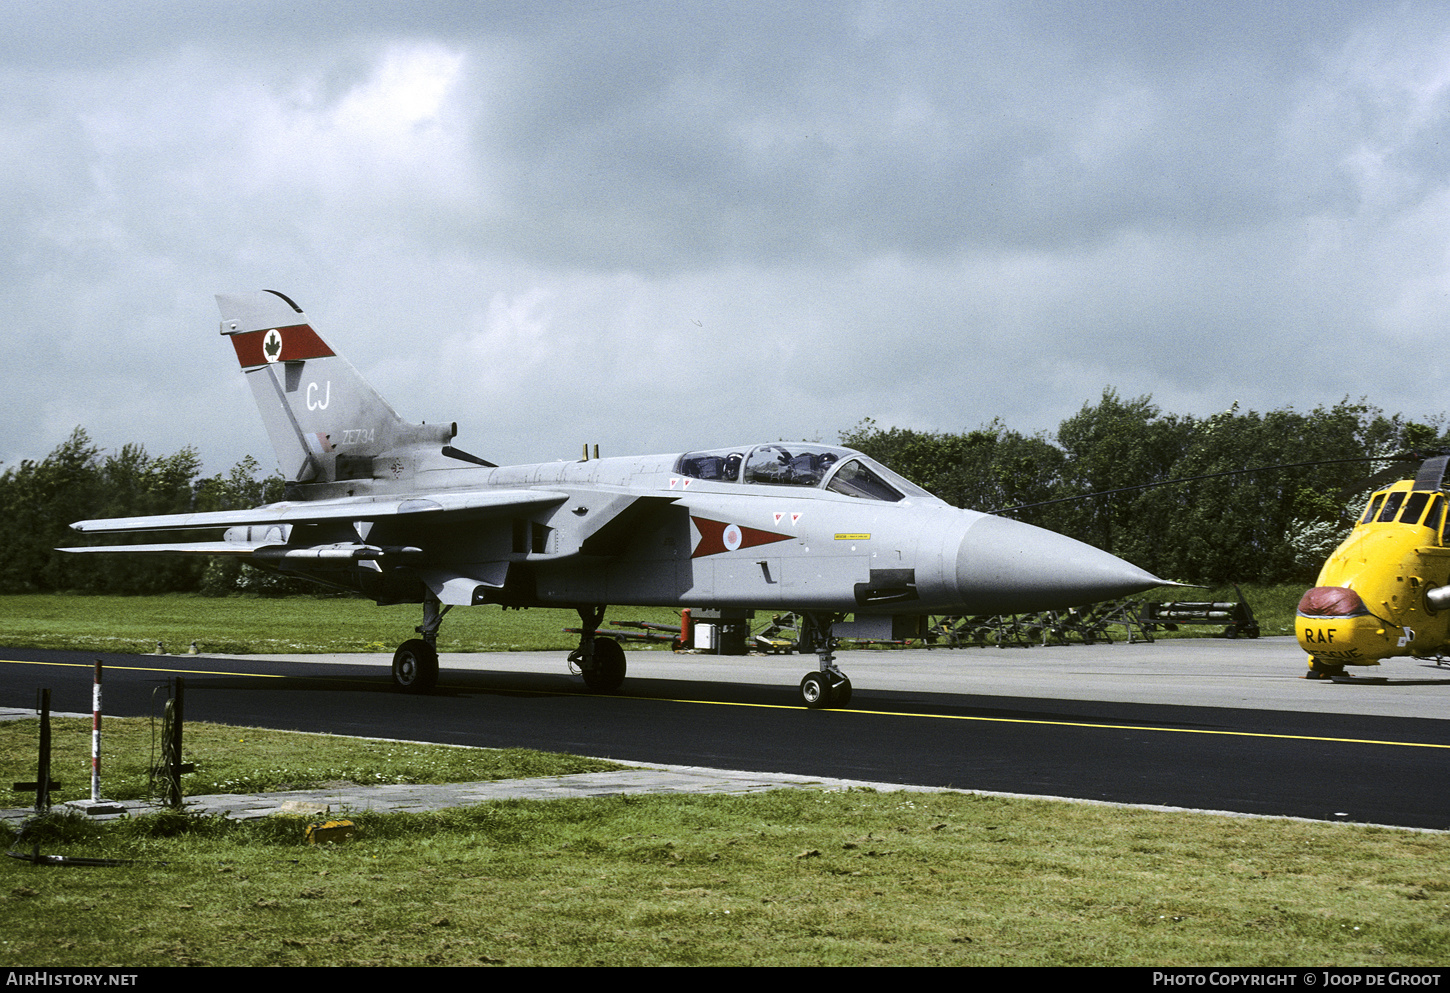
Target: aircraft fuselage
column 638, row 531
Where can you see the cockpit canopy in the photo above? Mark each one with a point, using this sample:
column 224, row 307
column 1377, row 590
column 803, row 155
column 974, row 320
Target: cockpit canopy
column 839, row 470
column 1405, row 507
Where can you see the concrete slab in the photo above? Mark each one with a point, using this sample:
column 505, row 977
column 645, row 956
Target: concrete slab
column 344, row 800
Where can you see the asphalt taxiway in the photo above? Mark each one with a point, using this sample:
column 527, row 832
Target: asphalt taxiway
column 1252, row 674
column 1200, row 724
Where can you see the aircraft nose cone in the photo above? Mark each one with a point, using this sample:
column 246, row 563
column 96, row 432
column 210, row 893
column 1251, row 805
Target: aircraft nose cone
column 1007, row 567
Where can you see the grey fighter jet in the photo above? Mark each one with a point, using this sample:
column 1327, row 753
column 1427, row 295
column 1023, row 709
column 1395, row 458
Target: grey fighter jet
column 392, row 510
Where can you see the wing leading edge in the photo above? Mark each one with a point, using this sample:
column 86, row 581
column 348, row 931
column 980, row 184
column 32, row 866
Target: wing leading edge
column 459, row 506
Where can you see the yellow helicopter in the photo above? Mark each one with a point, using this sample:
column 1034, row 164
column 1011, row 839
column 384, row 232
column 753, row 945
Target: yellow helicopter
column 1385, row 591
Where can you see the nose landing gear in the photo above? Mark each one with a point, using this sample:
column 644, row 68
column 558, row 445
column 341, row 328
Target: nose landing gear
column 830, row 687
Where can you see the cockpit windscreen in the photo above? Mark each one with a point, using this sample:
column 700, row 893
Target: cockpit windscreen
column 839, row 470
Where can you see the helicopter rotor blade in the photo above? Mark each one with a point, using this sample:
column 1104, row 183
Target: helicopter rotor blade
column 1430, row 476
column 1432, row 473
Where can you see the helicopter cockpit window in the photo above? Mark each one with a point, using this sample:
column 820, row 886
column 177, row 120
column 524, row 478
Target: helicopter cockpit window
column 1414, row 508
column 856, row 479
column 1373, row 508
column 1392, row 506
column 1435, row 518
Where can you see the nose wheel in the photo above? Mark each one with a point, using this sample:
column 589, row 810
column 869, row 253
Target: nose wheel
column 1324, row 670
column 829, row 687
column 820, row 690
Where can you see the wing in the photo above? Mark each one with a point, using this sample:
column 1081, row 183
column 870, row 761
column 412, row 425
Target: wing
column 458, row 544
column 316, row 539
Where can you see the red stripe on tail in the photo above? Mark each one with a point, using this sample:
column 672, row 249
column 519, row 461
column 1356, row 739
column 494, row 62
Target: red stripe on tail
column 290, row 344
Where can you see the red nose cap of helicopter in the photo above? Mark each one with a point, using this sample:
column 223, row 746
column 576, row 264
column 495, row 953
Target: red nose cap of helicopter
column 1005, row 567
column 1331, row 601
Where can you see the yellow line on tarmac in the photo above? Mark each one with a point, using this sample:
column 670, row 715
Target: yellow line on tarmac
column 147, row 668
column 1068, row 724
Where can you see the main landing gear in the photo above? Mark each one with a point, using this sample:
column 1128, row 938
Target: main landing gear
column 830, row 687
column 600, row 660
column 415, row 663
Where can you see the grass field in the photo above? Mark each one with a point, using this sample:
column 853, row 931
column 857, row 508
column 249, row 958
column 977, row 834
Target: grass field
column 261, row 626
column 790, row 877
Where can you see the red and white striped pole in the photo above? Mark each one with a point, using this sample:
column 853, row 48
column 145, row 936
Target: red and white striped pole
column 96, row 806
column 96, row 736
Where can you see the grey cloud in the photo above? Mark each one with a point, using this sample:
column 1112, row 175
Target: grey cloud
column 717, row 221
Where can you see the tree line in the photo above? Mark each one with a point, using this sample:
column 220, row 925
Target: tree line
column 39, row 500
column 1265, row 527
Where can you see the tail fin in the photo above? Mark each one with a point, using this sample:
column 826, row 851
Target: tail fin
column 325, row 422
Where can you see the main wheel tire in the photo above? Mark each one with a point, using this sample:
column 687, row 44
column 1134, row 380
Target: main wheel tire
column 415, row 666
column 815, row 691
column 607, row 673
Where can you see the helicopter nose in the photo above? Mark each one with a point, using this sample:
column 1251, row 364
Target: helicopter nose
column 1005, row 567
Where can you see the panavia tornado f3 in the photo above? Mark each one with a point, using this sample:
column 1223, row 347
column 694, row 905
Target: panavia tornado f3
column 392, row 510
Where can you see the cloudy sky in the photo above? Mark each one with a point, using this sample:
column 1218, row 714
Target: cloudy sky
column 667, row 225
